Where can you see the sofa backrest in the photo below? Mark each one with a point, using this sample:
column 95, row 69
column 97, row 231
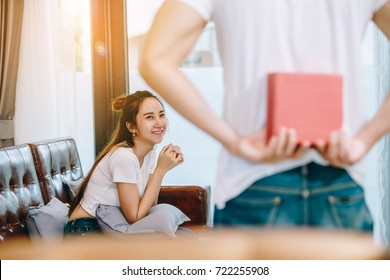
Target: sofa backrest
column 57, row 161
column 19, row 189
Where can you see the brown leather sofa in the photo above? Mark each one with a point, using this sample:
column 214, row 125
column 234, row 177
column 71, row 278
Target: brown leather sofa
column 32, row 174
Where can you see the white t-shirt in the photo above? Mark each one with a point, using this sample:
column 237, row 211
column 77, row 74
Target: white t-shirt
column 258, row 37
column 120, row 165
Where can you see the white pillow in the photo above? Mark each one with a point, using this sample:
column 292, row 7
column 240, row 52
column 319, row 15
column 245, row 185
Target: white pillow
column 47, row 222
column 162, row 218
column 72, row 186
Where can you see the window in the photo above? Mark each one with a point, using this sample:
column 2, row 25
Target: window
column 202, row 66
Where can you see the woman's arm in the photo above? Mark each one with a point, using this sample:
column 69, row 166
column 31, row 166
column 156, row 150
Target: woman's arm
column 132, row 206
column 172, row 36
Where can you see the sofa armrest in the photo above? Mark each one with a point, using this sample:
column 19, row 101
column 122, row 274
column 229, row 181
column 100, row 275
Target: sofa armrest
column 194, row 201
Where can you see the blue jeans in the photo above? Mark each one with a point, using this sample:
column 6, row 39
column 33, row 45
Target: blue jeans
column 310, row 195
column 82, row 227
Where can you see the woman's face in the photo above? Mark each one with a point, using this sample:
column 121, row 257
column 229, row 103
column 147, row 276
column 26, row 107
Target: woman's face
column 151, row 122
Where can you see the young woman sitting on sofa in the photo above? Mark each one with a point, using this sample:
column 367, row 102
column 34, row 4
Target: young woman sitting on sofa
column 125, row 173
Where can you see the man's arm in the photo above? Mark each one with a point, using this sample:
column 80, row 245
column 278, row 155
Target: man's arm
column 380, row 125
column 173, row 34
column 382, row 19
column 348, row 150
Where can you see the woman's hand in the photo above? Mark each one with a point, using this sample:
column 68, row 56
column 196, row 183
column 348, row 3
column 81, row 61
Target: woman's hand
column 170, row 157
column 179, row 154
column 254, row 148
column 341, row 149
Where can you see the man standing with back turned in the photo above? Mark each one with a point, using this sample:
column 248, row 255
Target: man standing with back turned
column 279, row 182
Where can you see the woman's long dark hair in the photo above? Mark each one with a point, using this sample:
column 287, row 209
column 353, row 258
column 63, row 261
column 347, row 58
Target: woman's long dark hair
column 128, row 106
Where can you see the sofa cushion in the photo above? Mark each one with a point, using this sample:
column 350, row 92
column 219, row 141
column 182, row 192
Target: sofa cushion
column 47, row 222
column 75, row 185
column 162, row 218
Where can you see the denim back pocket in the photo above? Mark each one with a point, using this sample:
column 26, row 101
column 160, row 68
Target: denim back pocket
column 349, row 210
column 260, row 211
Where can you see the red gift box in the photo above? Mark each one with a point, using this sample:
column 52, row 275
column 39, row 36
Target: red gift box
column 310, row 103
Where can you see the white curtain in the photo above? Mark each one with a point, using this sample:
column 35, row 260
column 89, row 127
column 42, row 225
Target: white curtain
column 383, row 82
column 54, row 88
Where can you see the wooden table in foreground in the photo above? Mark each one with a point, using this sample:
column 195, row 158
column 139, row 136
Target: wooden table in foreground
column 212, row 244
